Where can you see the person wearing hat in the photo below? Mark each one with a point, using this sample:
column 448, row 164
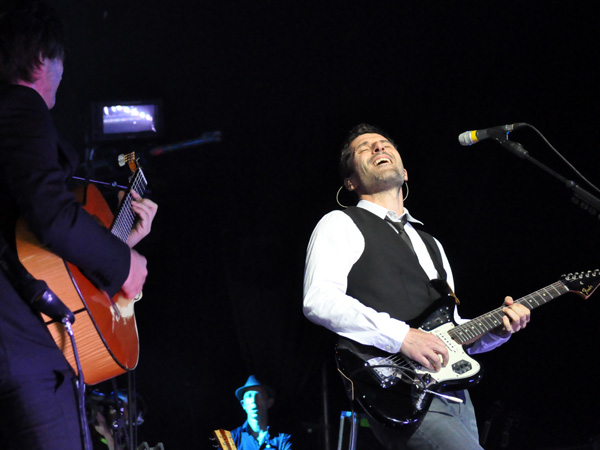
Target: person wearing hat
column 256, row 398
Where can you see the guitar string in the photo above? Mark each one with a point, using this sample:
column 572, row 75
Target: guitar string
column 126, row 217
column 495, row 316
column 401, row 364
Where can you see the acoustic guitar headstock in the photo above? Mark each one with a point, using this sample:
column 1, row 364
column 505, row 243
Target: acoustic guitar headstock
column 130, row 160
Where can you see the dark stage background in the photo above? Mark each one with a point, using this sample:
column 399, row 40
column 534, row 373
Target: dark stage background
column 284, row 82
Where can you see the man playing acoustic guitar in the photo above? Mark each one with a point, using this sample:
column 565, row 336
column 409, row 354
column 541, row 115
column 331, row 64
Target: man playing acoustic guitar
column 38, row 407
column 369, row 271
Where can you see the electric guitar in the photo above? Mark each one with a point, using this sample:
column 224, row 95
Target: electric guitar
column 105, row 329
column 224, row 440
column 397, row 391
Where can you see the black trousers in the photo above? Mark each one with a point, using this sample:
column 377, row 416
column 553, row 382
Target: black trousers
column 38, row 402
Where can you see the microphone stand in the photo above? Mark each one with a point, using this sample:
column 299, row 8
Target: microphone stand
column 581, row 197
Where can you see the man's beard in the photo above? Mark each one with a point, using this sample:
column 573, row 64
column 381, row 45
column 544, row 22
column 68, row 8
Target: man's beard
column 385, row 181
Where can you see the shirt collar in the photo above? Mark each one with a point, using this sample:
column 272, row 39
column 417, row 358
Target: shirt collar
column 382, row 212
column 246, row 428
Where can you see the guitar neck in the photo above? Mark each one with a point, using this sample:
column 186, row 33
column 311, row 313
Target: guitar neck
column 125, row 217
column 486, row 322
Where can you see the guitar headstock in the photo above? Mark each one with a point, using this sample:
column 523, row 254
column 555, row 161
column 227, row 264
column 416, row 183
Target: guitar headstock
column 224, row 440
column 582, row 283
column 130, row 160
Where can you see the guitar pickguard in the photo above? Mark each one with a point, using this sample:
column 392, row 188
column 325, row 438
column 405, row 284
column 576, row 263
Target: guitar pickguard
column 460, row 367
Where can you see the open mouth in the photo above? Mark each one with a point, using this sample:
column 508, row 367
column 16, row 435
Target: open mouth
column 383, row 160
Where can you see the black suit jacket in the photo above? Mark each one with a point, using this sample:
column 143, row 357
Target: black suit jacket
column 35, row 167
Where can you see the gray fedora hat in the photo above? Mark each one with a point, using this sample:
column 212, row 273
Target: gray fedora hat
column 253, row 382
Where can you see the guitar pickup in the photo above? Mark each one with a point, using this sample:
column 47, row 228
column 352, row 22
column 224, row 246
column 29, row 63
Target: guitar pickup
column 461, row 367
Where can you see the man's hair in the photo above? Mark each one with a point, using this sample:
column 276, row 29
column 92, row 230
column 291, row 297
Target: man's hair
column 30, row 31
column 347, row 153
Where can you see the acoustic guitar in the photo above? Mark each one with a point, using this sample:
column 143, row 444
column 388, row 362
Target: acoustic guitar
column 105, row 329
column 396, row 391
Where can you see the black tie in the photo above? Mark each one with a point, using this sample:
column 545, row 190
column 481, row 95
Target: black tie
column 400, row 227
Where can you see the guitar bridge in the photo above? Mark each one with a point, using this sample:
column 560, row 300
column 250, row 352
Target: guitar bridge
column 391, row 370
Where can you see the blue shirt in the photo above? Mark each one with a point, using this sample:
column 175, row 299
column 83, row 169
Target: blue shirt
column 245, row 441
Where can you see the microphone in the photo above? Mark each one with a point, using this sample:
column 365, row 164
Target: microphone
column 43, row 300
column 499, row 133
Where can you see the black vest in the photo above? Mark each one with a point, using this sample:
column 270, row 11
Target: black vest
column 388, row 277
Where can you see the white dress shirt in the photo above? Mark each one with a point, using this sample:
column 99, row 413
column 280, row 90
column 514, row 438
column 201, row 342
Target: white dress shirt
column 335, row 246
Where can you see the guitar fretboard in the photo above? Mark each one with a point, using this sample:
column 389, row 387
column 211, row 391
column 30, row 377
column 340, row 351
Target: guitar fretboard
column 125, row 218
column 482, row 324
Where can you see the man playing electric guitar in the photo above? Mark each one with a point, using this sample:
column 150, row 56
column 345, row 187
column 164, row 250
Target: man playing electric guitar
column 369, row 271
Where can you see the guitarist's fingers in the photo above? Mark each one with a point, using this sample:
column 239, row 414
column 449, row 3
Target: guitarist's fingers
column 441, row 356
column 425, row 348
column 145, row 209
column 445, row 356
column 435, row 360
column 508, row 300
column 429, row 364
column 516, row 317
column 143, row 205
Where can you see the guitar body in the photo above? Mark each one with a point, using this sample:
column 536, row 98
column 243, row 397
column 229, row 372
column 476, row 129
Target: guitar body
column 395, row 390
column 105, row 329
